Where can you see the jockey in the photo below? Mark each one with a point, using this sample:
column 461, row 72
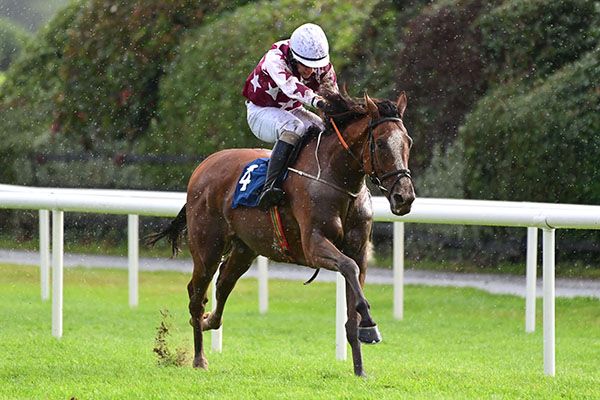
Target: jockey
column 290, row 75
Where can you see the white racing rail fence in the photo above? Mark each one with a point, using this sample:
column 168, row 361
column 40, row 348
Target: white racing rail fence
column 533, row 216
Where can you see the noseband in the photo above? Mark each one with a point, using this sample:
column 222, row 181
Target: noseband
column 377, row 181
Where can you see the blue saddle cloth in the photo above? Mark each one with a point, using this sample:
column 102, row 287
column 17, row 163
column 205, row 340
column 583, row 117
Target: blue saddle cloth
column 249, row 186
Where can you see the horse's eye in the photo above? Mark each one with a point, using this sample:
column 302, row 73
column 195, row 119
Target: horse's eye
column 380, row 142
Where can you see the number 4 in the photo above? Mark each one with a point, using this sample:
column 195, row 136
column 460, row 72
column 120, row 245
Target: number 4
column 247, row 177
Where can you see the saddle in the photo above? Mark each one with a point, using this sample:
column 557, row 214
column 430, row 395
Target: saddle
column 254, row 174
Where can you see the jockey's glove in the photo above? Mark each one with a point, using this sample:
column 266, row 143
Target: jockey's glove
column 321, row 104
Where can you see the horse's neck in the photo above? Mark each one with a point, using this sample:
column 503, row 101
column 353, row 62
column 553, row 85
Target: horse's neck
column 339, row 165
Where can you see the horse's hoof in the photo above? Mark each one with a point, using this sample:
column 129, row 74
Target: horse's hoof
column 369, row 334
column 201, row 362
column 209, row 322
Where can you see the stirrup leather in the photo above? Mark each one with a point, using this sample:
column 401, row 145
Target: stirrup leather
column 272, row 196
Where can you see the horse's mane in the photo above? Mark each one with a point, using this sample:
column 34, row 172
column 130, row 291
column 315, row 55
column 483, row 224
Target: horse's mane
column 345, row 109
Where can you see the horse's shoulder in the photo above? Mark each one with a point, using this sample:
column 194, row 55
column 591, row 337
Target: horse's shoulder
column 362, row 206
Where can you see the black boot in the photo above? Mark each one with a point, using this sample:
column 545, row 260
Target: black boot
column 272, row 194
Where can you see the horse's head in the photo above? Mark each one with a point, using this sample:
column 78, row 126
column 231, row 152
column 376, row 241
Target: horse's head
column 386, row 160
column 376, row 138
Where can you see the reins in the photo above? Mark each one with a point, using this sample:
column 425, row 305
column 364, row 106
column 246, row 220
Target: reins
column 318, row 177
column 343, row 142
column 377, row 181
column 331, row 185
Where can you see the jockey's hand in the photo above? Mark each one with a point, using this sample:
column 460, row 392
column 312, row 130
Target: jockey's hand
column 321, row 104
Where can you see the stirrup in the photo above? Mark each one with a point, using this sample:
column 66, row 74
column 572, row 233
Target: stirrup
column 270, row 197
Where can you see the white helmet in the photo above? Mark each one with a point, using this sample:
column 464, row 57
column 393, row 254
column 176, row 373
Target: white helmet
column 309, row 46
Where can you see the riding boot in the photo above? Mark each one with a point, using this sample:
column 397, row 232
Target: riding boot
column 272, row 194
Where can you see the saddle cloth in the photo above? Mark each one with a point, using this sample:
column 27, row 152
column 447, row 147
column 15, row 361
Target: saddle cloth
column 254, row 175
column 249, row 186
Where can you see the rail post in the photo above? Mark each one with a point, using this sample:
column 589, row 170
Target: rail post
column 398, row 270
column 262, row 264
column 133, row 258
column 549, row 300
column 217, row 334
column 341, row 349
column 57, row 272
column 531, row 277
column 45, row 253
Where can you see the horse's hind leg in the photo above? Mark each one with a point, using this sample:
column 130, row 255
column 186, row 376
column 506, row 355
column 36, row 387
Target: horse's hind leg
column 237, row 263
column 206, row 253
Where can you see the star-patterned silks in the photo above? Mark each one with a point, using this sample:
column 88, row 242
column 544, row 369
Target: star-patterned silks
column 273, row 83
column 286, row 73
column 272, row 91
column 255, row 83
column 289, row 104
column 301, row 89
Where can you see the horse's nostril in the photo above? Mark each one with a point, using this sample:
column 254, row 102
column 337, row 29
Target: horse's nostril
column 398, row 199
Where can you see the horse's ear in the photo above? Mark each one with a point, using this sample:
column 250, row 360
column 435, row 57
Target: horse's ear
column 371, row 107
column 401, row 103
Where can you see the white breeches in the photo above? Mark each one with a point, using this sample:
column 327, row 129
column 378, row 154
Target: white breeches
column 268, row 123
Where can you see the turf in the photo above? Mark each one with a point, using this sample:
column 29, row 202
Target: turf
column 453, row 343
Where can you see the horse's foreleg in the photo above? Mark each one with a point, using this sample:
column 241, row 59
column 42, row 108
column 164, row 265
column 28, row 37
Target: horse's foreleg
column 236, row 264
column 324, row 254
column 352, row 332
column 367, row 332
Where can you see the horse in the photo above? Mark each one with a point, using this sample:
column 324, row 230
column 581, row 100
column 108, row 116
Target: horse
column 326, row 218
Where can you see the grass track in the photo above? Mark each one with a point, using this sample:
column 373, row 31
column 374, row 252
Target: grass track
column 453, row 343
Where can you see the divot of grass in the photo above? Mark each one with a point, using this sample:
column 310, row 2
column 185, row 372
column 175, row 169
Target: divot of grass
column 165, row 356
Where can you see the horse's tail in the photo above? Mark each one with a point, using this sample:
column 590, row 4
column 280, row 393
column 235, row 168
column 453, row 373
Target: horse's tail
column 173, row 233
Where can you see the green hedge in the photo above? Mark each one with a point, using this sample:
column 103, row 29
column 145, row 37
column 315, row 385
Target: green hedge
column 536, row 37
column 440, row 67
column 112, row 65
column 12, row 41
column 201, row 108
column 89, row 83
column 377, row 58
column 26, row 97
column 539, row 143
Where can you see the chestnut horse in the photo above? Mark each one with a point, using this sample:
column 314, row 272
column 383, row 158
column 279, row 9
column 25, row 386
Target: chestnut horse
column 327, row 217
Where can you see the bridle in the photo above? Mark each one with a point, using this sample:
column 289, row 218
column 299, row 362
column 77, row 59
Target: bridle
column 377, row 181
